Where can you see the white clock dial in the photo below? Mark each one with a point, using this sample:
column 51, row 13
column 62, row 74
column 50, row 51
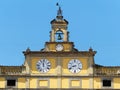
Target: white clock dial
column 59, row 47
column 74, row 66
column 43, row 65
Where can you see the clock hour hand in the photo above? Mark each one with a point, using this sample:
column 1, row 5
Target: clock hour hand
column 43, row 64
column 74, row 66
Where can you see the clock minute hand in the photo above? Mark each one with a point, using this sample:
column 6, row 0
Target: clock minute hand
column 74, row 66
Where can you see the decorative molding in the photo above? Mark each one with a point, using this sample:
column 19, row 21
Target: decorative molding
column 46, row 79
column 60, row 54
column 75, row 79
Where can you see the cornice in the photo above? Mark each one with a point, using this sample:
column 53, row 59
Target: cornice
column 60, row 54
column 63, row 21
column 91, row 76
column 59, row 42
column 108, row 76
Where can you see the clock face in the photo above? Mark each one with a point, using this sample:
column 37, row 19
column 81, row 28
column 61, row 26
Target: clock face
column 74, row 66
column 59, row 47
column 43, row 65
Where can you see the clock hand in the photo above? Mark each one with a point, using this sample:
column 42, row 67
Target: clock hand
column 43, row 64
column 74, row 66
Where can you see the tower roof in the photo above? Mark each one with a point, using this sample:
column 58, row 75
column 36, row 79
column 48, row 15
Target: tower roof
column 59, row 18
column 54, row 21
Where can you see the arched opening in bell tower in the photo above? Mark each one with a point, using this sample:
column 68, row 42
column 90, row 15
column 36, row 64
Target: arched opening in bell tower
column 59, row 36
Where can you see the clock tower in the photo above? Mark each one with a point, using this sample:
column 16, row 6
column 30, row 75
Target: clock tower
column 59, row 31
column 59, row 36
column 59, row 64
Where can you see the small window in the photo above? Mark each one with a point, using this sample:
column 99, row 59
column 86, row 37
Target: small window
column 106, row 83
column 11, row 82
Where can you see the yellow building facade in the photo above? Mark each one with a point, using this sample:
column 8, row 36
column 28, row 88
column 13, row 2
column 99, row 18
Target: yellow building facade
column 59, row 66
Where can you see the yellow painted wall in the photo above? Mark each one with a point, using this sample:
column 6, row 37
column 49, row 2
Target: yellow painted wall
column 65, row 83
column 67, row 47
column 97, row 83
column 33, row 83
column 116, row 83
column 2, row 82
column 43, row 83
column 53, row 82
column 52, row 69
column 52, row 47
column 37, row 82
column 75, row 83
column 21, row 83
column 85, row 83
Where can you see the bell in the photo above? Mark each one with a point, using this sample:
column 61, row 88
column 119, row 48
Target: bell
column 59, row 37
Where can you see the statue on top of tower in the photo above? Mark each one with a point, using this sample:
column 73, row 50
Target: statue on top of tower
column 59, row 13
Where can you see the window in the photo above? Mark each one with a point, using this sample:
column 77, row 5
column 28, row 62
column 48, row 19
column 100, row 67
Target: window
column 11, row 82
column 106, row 83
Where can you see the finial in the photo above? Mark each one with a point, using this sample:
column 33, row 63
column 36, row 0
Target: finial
column 90, row 49
column 28, row 49
column 59, row 13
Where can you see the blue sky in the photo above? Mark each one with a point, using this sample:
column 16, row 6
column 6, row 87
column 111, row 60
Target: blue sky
column 92, row 23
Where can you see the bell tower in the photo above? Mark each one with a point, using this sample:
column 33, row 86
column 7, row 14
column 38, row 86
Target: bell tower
column 59, row 25
column 59, row 36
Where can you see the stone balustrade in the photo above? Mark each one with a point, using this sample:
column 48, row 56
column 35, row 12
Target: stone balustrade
column 11, row 70
column 107, row 71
